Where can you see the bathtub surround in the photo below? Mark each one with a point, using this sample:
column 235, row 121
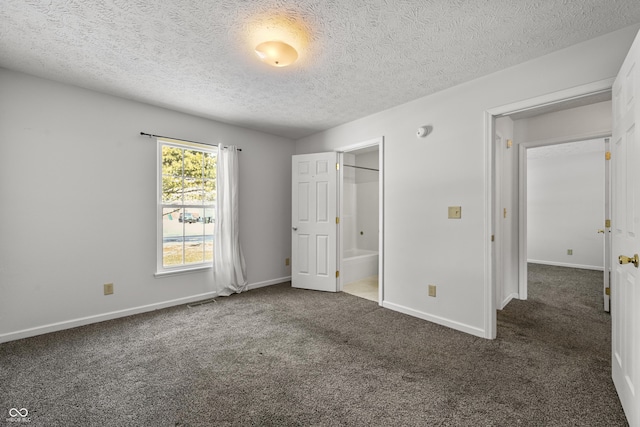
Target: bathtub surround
column 282, row 356
column 360, row 214
column 359, row 264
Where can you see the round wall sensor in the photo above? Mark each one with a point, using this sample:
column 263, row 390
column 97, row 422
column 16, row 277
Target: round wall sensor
column 423, row 131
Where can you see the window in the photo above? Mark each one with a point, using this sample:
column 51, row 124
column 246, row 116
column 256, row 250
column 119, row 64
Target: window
column 186, row 205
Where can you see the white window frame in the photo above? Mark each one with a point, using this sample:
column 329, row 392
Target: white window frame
column 161, row 270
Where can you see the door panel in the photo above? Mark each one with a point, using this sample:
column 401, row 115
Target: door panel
column 625, row 191
column 314, row 228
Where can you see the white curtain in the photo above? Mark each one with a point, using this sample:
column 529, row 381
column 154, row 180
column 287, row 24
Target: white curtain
column 229, row 270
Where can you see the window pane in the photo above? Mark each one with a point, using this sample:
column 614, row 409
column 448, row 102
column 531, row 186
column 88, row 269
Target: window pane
column 209, row 191
column 208, row 247
column 172, row 237
column 210, row 165
column 209, row 220
column 209, row 229
column 194, row 236
column 171, row 189
column 193, row 219
column 194, row 250
column 193, row 191
column 171, row 161
column 193, row 163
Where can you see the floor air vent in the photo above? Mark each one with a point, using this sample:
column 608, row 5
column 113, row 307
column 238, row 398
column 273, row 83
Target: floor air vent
column 199, row 303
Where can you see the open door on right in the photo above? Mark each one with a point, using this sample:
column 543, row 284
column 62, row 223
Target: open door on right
column 625, row 235
column 606, row 229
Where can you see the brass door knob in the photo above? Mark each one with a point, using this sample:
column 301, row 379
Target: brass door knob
column 626, row 260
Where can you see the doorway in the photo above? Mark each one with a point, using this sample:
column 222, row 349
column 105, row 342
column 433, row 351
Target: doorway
column 570, row 144
column 361, row 220
column 333, row 229
column 565, row 202
column 497, row 233
column 566, row 207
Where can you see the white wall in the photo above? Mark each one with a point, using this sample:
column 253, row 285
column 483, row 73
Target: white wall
column 77, row 188
column 350, row 204
column 565, row 204
column 561, row 126
column 448, row 168
column 565, row 124
column 367, row 188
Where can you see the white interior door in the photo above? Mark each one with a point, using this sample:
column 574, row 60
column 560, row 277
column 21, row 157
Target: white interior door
column 314, row 225
column 606, row 230
column 625, row 286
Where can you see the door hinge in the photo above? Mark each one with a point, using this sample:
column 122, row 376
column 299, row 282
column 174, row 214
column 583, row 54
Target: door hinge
column 337, row 274
column 504, row 213
column 607, row 155
column 607, row 291
column 493, row 238
column 337, row 220
column 337, row 166
column 607, row 223
column 509, row 143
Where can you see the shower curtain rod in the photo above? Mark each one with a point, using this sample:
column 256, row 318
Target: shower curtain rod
column 150, row 135
column 362, row 167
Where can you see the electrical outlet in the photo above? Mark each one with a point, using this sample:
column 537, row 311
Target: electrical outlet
column 432, row 290
column 108, row 288
column 569, row 251
column 286, row 261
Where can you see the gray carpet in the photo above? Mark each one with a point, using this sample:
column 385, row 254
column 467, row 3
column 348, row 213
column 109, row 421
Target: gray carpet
column 279, row 356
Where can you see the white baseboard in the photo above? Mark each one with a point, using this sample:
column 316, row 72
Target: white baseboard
column 435, row 319
column 566, row 264
column 68, row 324
column 268, row 283
column 507, row 300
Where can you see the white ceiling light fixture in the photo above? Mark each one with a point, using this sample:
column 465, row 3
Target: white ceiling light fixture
column 276, row 53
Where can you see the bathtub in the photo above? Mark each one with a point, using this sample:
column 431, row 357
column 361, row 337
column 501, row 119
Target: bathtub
column 358, row 264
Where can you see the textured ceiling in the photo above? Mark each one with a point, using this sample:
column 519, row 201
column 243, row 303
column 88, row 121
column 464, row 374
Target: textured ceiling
column 357, row 57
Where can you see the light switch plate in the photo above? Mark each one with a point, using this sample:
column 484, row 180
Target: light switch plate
column 455, row 212
column 108, row 288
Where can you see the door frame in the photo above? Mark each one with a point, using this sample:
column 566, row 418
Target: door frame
column 523, row 282
column 379, row 141
column 490, row 305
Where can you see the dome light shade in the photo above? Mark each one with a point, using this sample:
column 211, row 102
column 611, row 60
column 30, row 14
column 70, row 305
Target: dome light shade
column 276, row 53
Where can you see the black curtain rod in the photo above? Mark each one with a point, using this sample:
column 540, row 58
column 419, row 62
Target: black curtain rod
column 362, row 167
column 178, row 139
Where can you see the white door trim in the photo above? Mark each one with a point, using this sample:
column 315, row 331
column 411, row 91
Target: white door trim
column 379, row 141
column 490, row 317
